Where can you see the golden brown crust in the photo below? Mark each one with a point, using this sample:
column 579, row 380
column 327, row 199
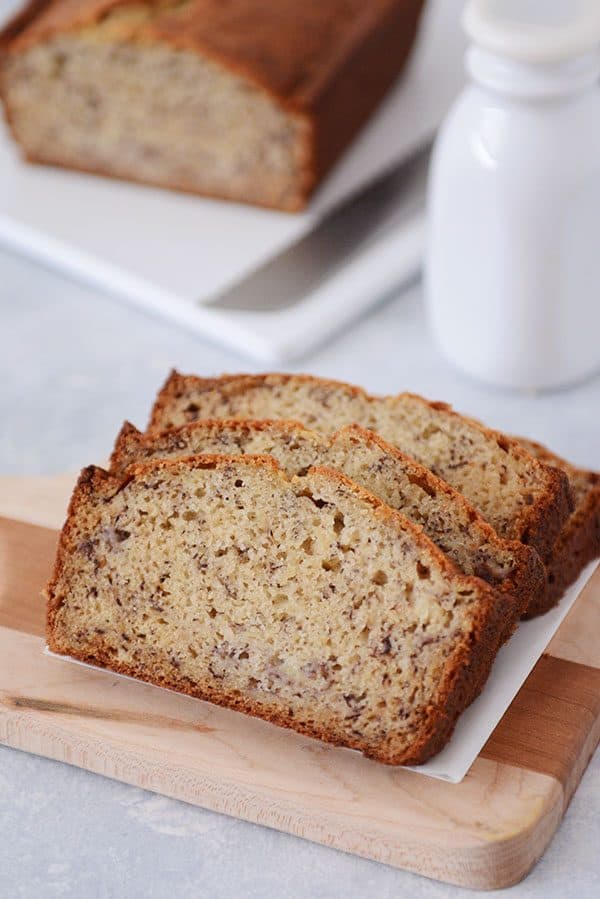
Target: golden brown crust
column 21, row 20
column 526, row 581
column 539, row 524
column 91, row 481
column 131, row 442
column 465, row 672
column 579, row 541
column 330, row 63
column 292, row 51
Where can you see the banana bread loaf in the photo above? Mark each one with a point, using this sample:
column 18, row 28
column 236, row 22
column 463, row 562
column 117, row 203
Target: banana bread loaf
column 445, row 516
column 522, row 498
column 305, row 601
column 249, row 100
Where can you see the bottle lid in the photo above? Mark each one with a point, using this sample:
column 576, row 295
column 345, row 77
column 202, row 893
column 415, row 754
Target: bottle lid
column 534, row 31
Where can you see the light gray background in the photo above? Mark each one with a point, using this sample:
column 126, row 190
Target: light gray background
column 73, row 364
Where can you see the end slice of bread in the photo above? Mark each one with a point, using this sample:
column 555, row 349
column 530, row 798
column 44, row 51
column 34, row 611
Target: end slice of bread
column 245, row 100
column 446, row 517
column 304, row 601
column 520, row 496
column 579, row 541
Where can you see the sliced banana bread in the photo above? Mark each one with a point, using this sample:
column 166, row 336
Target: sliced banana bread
column 305, row 601
column 579, row 541
column 445, row 516
column 522, row 498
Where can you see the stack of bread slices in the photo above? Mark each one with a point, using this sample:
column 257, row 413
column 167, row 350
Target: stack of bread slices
column 341, row 564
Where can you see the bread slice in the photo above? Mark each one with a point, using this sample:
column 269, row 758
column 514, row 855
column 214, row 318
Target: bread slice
column 304, row 601
column 579, row 541
column 445, row 516
column 249, row 100
column 522, row 498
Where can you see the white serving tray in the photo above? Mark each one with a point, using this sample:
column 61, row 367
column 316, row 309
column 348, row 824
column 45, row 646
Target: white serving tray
column 170, row 253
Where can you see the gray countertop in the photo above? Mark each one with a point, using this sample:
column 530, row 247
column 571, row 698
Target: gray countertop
column 73, row 364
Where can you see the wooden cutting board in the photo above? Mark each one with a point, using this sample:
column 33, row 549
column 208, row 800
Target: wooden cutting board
column 485, row 832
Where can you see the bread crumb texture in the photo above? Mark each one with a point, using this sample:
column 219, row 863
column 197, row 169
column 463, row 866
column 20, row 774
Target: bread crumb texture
column 519, row 496
column 113, row 97
column 446, row 517
column 305, row 601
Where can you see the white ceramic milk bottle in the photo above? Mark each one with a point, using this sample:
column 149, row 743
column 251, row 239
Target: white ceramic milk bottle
column 512, row 274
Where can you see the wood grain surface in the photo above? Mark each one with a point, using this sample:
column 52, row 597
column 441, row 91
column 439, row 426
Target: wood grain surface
column 485, row 832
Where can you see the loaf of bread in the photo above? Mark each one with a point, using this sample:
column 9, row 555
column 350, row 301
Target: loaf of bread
column 305, row 601
column 445, row 516
column 579, row 541
column 248, row 100
column 519, row 496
